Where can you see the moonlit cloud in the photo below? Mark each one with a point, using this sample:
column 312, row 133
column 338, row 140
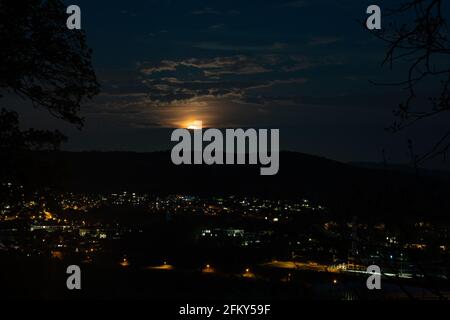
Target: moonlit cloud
column 241, row 78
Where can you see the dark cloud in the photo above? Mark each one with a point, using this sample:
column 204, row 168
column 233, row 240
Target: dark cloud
column 324, row 40
column 212, row 11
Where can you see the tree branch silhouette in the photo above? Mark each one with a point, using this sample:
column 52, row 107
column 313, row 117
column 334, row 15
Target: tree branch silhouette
column 424, row 45
column 43, row 62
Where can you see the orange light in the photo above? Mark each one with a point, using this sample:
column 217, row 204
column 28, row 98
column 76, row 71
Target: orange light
column 208, row 269
column 124, row 263
column 48, row 215
column 164, row 267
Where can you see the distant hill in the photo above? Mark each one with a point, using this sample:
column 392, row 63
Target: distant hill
column 409, row 169
column 346, row 189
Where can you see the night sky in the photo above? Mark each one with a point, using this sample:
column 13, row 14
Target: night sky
column 301, row 66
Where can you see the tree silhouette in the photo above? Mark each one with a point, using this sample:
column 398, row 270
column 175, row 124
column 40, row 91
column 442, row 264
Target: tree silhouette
column 44, row 62
column 12, row 138
column 423, row 44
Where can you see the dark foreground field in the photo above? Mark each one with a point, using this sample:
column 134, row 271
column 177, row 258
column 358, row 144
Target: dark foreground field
column 46, row 280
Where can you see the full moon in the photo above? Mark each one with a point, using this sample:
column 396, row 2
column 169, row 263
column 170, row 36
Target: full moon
column 194, row 125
